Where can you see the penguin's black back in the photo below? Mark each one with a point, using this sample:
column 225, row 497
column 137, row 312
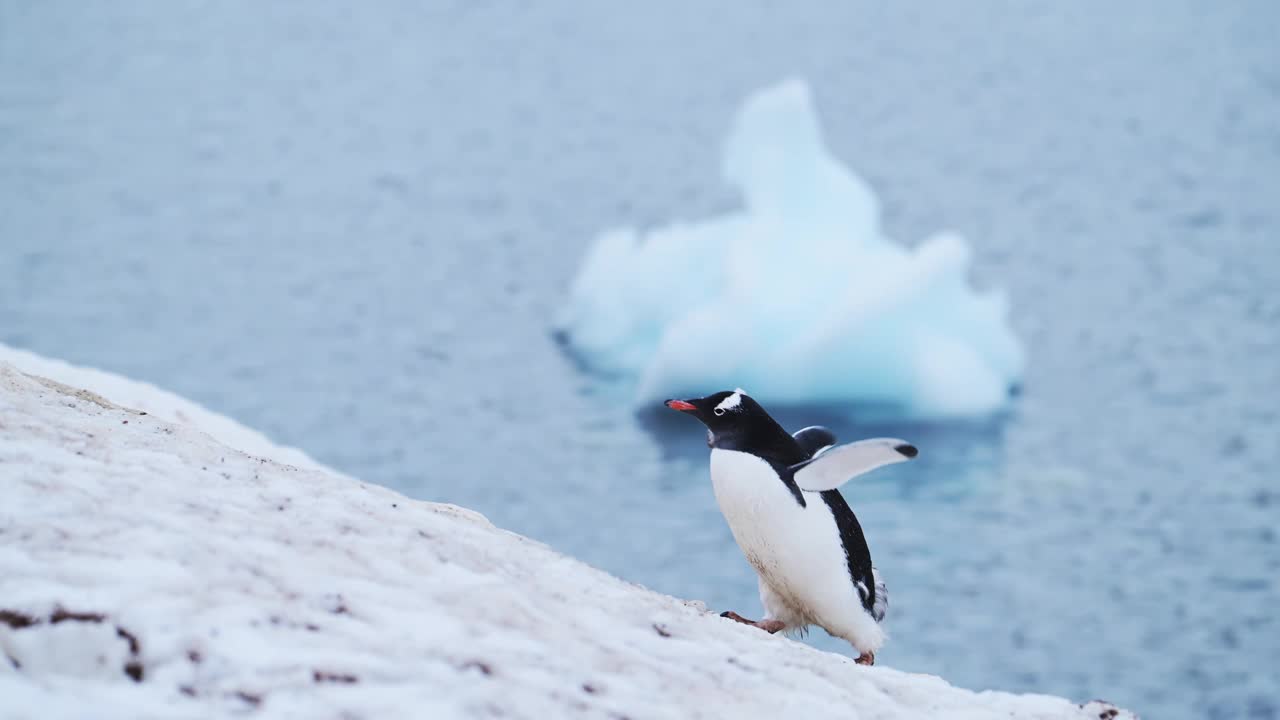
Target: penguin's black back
column 856, row 552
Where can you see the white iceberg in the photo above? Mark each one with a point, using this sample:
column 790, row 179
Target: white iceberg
column 799, row 297
column 151, row 571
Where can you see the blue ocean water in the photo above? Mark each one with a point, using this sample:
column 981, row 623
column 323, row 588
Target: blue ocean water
column 349, row 226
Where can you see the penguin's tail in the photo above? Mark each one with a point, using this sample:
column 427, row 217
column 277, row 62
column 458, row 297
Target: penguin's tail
column 881, row 604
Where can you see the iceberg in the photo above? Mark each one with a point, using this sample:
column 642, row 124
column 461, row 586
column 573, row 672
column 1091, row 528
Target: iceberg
column 799, row 296
column 190, row 569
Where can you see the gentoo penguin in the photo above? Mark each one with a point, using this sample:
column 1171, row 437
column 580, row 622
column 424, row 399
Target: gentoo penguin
column 778, row 493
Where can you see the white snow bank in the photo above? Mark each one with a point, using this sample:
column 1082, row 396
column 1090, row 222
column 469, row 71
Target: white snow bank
column 150, row 571
column 799, row 297
column 155, row 401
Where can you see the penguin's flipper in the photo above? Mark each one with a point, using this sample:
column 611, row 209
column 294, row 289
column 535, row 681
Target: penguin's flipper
column 840, row 464
column 814, row 438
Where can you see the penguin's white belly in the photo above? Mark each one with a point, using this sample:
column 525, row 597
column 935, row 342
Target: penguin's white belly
column 796, row 550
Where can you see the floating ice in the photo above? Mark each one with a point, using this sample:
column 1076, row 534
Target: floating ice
column 800, row 297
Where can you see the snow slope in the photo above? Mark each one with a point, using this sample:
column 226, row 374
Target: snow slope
column 150, row 570
column 155, row 401
column 799, row 297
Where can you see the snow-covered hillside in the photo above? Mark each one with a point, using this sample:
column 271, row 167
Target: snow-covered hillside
column 155, row 401
column 150, row 570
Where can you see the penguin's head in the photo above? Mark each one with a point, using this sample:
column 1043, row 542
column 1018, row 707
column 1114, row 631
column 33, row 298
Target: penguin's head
column 724, row 413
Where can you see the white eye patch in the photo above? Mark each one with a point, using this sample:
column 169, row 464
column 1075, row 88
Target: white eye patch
column 730, row 402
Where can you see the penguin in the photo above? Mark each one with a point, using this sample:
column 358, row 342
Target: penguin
column 778, row 493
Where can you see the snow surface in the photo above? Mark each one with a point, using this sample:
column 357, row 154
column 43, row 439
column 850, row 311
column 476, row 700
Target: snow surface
column 232, row 584
column 799, row 297
column 155, row 401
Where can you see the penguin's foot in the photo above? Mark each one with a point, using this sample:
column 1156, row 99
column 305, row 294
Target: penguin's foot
column 769, row 626
column 866, row 659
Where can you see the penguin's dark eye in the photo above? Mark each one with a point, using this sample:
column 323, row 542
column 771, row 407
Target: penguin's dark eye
column 718, row 411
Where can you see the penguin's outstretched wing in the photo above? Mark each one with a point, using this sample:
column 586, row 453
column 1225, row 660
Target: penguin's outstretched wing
column 838, row 465
column 814, row 438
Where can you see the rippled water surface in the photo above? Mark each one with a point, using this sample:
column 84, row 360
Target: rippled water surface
column 350, row 226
